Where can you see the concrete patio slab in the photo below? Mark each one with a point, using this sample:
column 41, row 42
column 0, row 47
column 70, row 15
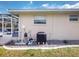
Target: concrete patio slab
column 38, row 47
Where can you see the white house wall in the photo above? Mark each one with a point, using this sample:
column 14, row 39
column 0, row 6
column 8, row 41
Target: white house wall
column 57, row 26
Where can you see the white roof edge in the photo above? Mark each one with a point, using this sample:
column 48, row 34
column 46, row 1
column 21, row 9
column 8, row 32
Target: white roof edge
column 41, row 10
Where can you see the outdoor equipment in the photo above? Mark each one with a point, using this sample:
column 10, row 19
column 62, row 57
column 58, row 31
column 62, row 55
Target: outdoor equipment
column 41, row 38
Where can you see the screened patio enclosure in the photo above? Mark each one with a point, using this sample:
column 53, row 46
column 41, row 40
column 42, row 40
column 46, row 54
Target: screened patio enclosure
column 9, row 25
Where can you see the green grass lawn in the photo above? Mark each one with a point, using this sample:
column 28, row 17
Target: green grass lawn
column 71, row 52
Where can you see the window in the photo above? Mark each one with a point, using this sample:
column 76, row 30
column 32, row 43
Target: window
column 73, row 18
column 39, row 20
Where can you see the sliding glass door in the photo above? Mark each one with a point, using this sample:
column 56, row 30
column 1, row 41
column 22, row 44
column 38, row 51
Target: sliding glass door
column 15, row 27
column 1, row 27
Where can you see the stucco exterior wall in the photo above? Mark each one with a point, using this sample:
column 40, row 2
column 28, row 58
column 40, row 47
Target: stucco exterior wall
column 57, row 27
